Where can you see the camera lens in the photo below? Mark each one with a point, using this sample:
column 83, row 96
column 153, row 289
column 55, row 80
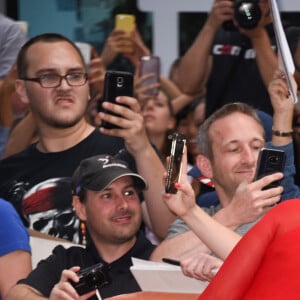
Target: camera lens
column 273, row 159
column 247, row 13
column 120, row 80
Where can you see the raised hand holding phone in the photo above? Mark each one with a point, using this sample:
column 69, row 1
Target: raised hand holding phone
column 116, row 83
column 183, row 201
column 270, row 161
column 126, row 23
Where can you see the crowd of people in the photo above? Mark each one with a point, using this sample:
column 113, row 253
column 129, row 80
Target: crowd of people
column 65, row 175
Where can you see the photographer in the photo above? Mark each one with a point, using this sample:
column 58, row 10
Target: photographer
column 106, row 200
column 237, row 62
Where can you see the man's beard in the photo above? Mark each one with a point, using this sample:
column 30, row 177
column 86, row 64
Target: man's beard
column 59, row 123
column 63, row 124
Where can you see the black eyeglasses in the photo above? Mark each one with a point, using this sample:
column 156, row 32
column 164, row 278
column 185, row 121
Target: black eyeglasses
column 54, row 80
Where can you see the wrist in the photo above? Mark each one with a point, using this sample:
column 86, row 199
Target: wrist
column 257, row 35
column 280, row 133
column 211, row 26
column 227, row 217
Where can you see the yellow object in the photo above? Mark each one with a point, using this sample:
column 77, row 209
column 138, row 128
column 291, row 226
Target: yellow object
column 125, row 22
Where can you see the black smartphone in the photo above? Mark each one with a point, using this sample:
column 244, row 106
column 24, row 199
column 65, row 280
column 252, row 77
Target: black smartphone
column 174, row 165
column 150, row 64
column 91, row 278
column 270, row 161
column 116, row 83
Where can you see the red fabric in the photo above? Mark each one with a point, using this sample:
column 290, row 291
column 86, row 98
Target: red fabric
column 265, row 264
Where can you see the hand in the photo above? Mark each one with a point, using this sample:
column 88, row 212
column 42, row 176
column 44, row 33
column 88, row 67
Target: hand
column 64, row 290
column 117, row 41
column 201, row 266
column 138, row 48
column 279, row 93
column 130, row 121
column 96, row 74
column 222, row 10
column 141, row 91
column 184, row 200
column 250, row 201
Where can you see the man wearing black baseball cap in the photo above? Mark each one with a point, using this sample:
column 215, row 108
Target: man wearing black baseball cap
column 106, row 200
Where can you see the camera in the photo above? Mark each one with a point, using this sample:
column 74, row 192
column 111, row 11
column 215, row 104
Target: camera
column 247, row 14
column 91, row 278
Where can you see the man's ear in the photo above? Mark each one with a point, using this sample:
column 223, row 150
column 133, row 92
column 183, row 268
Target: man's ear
column 79, row 208
column 21, row 91
column 204, row 165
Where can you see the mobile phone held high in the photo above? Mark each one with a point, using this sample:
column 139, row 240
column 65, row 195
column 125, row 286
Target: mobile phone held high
column 116, row 83
column 175, row 162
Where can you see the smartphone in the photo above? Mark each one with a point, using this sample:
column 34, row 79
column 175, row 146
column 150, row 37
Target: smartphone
column 116, row 83
column 125, row 22
column 150, row 64
column 270, row 161
column 174, row 165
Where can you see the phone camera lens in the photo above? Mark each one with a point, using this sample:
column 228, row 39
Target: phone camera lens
column 273, row 159
column 120, row 81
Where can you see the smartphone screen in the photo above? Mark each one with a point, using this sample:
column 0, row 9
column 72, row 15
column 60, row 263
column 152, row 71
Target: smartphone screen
column 270, row 161
column 150, row 64
column 174, row 165
column 125, row 22
column 116, row 83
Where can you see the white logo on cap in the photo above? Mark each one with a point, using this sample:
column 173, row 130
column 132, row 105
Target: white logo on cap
column 107, row 165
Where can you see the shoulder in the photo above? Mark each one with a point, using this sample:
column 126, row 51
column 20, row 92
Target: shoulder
column 102, row 143
column 13, row 234
column 67, row 256
column 8, row 214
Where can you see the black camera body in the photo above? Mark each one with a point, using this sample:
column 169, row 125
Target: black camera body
column 247, row 14
column 91, row 278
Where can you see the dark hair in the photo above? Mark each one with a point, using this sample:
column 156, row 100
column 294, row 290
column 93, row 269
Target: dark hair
column 22, row 63
column 184, row 112
column 81, row 193
column 204, row 137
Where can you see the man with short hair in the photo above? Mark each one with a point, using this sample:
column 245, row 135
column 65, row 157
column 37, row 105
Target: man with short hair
column 230, row 140
column 52, row 79
column 106, row 200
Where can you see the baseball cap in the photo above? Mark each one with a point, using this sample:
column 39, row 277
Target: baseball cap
column 97, row 172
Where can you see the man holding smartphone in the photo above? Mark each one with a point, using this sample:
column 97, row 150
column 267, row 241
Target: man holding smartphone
column 52, row 79
column 230, row 141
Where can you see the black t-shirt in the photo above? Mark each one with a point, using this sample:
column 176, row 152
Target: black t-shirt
column 235, row 76
column 48, row 271
column 39, row 184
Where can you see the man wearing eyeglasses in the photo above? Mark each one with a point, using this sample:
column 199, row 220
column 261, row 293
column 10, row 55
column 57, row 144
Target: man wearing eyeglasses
column 52, row 79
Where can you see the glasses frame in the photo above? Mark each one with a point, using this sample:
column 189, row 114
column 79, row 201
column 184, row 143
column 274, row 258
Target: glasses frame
column 40, row 78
